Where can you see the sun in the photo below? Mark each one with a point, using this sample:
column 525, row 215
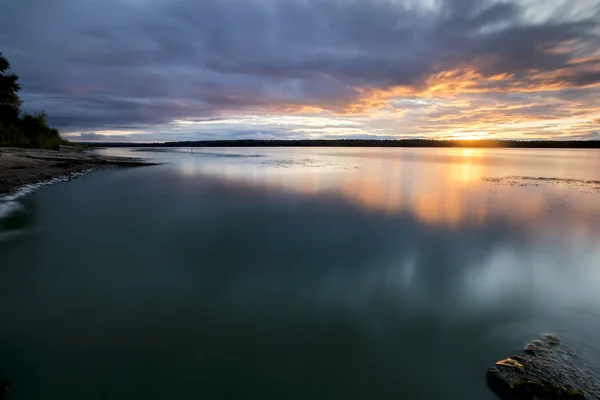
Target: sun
column 478, row 135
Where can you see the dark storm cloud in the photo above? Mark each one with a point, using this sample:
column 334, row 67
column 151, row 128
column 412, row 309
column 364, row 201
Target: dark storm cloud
column 133, row 63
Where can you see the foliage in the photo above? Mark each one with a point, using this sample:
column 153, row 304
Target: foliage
column 21, row 129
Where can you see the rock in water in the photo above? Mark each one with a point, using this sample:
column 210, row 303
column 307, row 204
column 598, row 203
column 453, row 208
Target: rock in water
column 545, row 370
column 4, row 386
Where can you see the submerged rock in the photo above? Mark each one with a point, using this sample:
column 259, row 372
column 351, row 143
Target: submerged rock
column 4, row 386
column 545, row 370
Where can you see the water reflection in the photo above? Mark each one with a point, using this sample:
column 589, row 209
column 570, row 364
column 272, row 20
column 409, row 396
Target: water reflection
column 18, row 222
column 294, row 275
column 438, row 186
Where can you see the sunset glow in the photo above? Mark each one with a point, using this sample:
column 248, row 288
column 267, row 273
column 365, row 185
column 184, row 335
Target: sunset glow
column 290, row 69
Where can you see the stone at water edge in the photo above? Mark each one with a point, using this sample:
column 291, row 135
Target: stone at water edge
column 4, row 387
column 544, row 370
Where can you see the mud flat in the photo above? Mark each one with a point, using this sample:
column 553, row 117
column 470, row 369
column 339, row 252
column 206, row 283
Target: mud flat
column 20, row 167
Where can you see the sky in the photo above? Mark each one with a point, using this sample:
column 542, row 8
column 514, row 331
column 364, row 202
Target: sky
column 170, row 70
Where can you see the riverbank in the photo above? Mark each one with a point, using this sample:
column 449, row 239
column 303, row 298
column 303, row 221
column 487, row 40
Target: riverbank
column 19, row 167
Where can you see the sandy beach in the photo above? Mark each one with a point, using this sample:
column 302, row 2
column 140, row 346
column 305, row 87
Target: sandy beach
column 20, row 167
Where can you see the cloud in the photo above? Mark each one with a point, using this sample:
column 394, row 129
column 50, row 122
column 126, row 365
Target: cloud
column 587, row 136
column 131, row 64
column 95, row 137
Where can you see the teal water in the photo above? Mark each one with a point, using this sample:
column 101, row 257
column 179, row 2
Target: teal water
column 298, row 273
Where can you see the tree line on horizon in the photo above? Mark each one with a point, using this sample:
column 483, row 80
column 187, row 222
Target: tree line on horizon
column 18, row 128
column 481, row 143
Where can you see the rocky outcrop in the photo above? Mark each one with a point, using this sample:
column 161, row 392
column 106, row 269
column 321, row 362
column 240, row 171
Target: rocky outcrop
column 546, row 370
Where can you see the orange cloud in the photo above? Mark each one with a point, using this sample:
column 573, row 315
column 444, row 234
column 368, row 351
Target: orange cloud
column 584, row 60
column 467, row 80
column 373, row 99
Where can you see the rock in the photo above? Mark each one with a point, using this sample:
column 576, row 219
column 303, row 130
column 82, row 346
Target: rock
column 545, row 370
column 4, row 387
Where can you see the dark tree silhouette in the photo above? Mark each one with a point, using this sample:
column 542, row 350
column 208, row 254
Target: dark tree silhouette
column 10, row 103
column 563, row 144
column 21, row 130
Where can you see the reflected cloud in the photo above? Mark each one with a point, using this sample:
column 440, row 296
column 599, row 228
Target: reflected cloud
column 210, row 260
column 449, row 187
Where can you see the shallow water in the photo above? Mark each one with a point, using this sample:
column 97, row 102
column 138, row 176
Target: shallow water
column 300, row 273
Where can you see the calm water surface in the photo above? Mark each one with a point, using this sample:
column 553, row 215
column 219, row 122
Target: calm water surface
column 308, row 273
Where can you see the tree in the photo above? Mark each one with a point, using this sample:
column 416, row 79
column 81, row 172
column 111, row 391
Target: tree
column 10, row 104
column 21, row 129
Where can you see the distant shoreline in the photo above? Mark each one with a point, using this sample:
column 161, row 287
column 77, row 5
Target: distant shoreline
column 21, row 167
column 536, row 144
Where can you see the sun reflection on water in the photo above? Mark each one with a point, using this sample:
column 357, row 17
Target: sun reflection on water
column 436, row 186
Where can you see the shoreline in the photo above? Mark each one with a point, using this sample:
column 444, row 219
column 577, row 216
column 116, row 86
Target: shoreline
column 20, row 168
